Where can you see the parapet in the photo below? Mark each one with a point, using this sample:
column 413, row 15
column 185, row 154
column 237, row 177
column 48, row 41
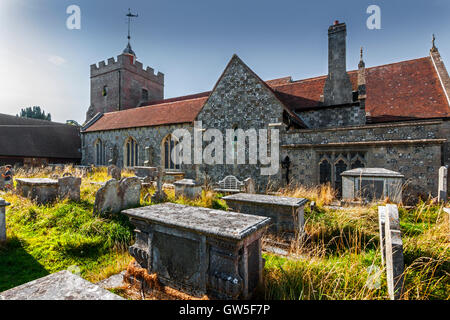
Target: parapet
column 128, row 62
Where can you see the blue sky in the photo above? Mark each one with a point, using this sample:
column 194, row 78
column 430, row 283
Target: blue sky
column 44, row 63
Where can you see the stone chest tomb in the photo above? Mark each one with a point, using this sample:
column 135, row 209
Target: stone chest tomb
column 199, row 250
column 287, row 213
column 372, row 184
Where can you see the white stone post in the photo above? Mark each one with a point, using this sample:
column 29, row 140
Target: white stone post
column 3, row 205
column 442, row 186
column 394, row 253
column 381, row 226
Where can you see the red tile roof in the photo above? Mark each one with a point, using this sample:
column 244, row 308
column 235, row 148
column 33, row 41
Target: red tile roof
column 405, row 90
column 400, row 91
column 182, row 111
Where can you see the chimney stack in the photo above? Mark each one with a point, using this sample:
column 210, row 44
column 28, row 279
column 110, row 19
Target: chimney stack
column 338, row 88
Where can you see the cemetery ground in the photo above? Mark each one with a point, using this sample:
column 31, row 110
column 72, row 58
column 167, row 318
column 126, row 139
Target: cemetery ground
column 339, row 258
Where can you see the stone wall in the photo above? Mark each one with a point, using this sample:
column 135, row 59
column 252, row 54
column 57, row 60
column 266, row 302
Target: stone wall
column 413, row 149
column 240, row 100
column 352, row 115
column 145, row 137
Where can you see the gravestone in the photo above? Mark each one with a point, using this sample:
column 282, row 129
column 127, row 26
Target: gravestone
column 188, row 188
column 148, row 154
column 62, row 285
column 3, row 205
column 115, row 172
column 116, row 195
column 200, row 250
column 114, row 155
column 442, row 190
column 382, row 230
column 69, row 187
column 159, row 195
column 394, row 253
column 144, row 172
column 249, row 185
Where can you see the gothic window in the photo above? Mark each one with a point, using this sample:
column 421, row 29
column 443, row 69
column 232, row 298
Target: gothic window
column 325, row 172
column 131, row 152
column 99, row 153
column 357, row 164
column 340, row 167
column 168, row 146
column 144, row 95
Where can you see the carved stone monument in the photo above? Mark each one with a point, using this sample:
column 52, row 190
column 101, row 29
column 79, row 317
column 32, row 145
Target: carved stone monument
column 199, row 250
column 3, row 205
column 443, row 178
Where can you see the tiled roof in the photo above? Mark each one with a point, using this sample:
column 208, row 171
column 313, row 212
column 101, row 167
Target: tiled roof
column 24, row 137
column 181, row 111
column 405, row 90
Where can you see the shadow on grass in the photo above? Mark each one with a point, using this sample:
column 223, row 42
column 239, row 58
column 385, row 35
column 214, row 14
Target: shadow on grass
column 17, row 266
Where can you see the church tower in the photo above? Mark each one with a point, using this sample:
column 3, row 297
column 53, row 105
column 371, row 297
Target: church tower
column 123, row 83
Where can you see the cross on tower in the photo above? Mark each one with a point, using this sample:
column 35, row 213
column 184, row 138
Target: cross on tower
column 130, row 15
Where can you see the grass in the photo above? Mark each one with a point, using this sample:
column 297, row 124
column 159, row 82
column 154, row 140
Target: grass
column 338, row 259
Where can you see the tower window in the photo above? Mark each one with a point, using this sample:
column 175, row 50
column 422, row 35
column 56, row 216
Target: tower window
column 144, row 95
column 105, row 91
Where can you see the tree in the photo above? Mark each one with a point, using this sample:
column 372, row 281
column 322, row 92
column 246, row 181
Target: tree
column 35, row 113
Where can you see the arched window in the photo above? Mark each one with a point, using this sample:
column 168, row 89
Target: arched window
column 100, row 153
column 105, row 91
column 168, row 145
column 131, row 152
column 339, row 167
column 325, row 172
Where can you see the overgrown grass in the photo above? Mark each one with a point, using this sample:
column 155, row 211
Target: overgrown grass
column 338, row 259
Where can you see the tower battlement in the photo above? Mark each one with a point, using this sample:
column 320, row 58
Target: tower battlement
column 128, row 62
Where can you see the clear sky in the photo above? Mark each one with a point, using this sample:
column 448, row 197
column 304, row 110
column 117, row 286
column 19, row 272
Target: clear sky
column 44, row 63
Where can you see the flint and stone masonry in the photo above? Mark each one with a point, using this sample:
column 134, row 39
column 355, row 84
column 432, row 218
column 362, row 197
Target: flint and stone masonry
column 199, row 250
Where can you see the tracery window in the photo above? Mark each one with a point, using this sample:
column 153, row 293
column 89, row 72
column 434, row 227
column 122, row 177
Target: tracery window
column 131, row 152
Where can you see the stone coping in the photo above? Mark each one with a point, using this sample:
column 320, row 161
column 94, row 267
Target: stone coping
column 62, row 285
column 372, row 172
column 267, row 199
column 218, row 223
column 39, row 181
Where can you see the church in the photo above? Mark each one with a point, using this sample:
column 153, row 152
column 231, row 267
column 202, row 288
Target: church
column 393, row 116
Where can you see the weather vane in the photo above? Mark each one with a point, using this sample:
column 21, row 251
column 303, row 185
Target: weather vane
column 130, row 15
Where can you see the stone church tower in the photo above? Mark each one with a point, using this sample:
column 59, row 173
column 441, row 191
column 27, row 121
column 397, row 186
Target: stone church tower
column 123, row 84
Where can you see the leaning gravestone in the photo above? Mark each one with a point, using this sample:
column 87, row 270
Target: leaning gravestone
column 116, row 196
column 69, row 187
column 381, row 226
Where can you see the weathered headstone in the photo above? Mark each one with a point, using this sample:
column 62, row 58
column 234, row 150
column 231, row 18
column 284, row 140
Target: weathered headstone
column 3, row 205
column 442, row 190
column 394, row 253
column 115, row 196
column 115, row 172
column 41, row 190
column 188, row 188
column 69, row 187
column 159, row 195
column 249, row 185
column 148, row 154
column 114, row 155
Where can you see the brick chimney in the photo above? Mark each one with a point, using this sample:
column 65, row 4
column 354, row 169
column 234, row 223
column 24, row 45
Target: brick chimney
column 338, row 88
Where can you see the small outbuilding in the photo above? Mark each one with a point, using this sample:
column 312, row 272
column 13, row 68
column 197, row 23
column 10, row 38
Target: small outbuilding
column 372, row 184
